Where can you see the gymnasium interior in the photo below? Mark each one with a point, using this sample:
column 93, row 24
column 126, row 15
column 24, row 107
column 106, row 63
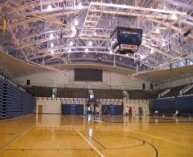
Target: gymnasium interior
column 96, row 78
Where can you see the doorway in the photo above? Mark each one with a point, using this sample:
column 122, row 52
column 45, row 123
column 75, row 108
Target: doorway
column 40, row 108
column 140, row 111
column 130, row 111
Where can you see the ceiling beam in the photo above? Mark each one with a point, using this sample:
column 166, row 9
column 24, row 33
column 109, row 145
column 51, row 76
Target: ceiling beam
column 181, row 31
column 137, row 8
column 178, row 4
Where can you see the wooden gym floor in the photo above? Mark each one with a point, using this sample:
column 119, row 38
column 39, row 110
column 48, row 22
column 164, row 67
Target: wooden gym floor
column 108, row 136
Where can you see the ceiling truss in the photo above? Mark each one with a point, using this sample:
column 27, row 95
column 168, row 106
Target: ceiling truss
column 50, row 32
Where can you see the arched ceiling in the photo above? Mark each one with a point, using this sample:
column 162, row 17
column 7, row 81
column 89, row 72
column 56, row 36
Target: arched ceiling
column 12, row 68
column 53, row 32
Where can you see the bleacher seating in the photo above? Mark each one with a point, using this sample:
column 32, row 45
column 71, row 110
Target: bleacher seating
column 83, row 93
column 104, row 93
column 72, row 92
column 168, row 106
column 75, row 92
column 163, row 106
column 1, row 98
column 139, row 94
column 184, row 105
column 189, row 92
column 108, row 94
column 155, row 93
column 42, row 91
column 14, row 101
column 174, row 91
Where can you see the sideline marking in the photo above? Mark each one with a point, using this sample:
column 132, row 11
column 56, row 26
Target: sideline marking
column 162, row 138
column 90, row 143
column 16, row 138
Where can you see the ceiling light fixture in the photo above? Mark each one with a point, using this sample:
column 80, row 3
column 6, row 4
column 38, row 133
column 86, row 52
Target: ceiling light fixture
column 76, row 22
column 52, row 45
column 142, row 57
column 52, row 52
column 90, row 43
column 174, row 17
column 80, row 5
column 49, row 8
column 157, row 30
column 163, row 44
column 71, row 43
column 86, row 50
column 51, row 36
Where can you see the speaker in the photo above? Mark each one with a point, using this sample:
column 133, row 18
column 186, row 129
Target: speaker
column 143, row 86
column 151, row 86
column 28, row 82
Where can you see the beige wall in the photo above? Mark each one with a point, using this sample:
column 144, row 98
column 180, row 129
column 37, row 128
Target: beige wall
column 49, row 106
column 135, row 104
column 58, row 79
column 54, row 105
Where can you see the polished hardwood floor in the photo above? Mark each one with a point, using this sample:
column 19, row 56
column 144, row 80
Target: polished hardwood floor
column 106, row 136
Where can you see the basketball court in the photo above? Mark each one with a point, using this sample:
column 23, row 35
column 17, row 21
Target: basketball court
column 56, row 135
column 96, row 78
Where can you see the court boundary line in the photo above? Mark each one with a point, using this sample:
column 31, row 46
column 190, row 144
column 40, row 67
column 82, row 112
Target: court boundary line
column 161, row 138
column 15, row 118
column 58, row 149
column 98, row 142
column 16, row 138
column 89, row 143
column 111, row 122
column 143, row 143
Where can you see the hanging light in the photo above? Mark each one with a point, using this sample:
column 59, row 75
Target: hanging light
column 111, row 52
column 86, row 50
column 51, row 36
column 71, row 43
column 157, row 30
column 174, row 17
column 52, row 52
column 142, row 57
column 90, row 43
column 49, row 8
column 80, row 5
column 151, row 51
column 52, row 45
column 76, row 22
column 163, row 44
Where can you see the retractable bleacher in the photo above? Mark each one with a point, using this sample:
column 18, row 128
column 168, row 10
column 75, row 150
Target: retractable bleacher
column 14, row 101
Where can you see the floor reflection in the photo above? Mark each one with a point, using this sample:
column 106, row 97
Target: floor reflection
column 104, row 122
column 81, row 136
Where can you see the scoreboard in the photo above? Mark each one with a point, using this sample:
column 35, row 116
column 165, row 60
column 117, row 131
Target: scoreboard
column 126, row 40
